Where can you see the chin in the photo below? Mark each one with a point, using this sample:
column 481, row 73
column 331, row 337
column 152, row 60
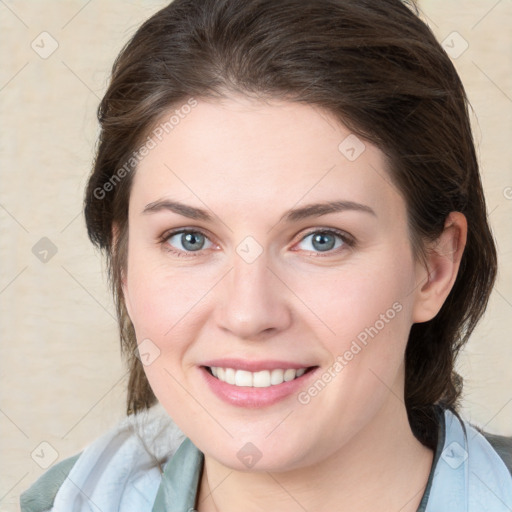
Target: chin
column 257, row 456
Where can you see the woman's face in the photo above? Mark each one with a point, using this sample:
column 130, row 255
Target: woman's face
column 231, row 266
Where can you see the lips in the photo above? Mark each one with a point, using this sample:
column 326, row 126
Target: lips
column 253, row 384
column 255, row 366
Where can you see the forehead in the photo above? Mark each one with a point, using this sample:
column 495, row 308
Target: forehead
column 260, row 156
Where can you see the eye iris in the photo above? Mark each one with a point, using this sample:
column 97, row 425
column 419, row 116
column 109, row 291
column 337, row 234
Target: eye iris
column 190, row 241
column 325, row 241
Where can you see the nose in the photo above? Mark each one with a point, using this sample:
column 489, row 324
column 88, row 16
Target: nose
column 254, row 302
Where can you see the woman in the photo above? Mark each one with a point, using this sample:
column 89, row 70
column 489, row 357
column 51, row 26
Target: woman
column 290, row 203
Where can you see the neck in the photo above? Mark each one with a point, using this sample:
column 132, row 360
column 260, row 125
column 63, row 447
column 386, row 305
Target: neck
column 384, row 467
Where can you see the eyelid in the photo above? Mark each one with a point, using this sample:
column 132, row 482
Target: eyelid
column 176, row 231
column 342, row 234
column 348, row 240
column 162, row 240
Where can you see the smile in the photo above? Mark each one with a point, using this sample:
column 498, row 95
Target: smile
column 252, row 384
column 261, row 379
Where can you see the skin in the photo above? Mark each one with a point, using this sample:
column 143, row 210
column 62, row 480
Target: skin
column 248, row 162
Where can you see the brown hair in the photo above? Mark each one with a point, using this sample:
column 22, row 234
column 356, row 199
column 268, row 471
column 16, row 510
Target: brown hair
column 374, row 65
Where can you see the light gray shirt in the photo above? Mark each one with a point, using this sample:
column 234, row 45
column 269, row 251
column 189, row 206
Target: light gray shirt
column 146, row 464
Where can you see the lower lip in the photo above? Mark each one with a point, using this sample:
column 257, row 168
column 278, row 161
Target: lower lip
column 251, row 397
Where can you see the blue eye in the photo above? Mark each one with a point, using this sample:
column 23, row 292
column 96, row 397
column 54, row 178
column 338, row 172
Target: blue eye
column 187, row 240
column 326, row 240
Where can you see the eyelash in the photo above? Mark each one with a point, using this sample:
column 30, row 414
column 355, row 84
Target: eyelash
column 348, row 241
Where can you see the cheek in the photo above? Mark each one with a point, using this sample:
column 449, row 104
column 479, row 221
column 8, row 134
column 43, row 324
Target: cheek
column 357, row 297
column 163, row 309
column 162, row 299
column 357, row 302
column 368, row 312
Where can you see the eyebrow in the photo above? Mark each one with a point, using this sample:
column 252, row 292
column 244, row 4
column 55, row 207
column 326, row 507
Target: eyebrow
column 293, row 215
column 182, row 209
column 318, row 209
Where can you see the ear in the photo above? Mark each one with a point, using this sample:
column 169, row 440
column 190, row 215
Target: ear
column 443, row 261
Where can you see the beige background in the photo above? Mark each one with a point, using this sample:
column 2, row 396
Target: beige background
column 62, row 381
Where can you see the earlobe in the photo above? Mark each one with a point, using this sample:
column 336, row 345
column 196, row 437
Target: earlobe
column 443, row 260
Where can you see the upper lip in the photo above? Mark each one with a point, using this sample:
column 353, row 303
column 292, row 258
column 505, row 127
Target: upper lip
column 254, row 366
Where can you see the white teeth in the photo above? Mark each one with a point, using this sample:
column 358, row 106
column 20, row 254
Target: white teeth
column 230, row 376
column 276, row 377
column 289, row 375
column 262, row 379
column 243, row 378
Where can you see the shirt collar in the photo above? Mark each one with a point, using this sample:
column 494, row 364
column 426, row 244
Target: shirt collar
column 441, row 438
column 180, row 481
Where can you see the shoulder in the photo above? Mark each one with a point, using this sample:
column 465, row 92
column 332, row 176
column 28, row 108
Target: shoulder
column 40, row 496
column 485, row 451
column 503, row 447
column 121, row 470
column 470, row 475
